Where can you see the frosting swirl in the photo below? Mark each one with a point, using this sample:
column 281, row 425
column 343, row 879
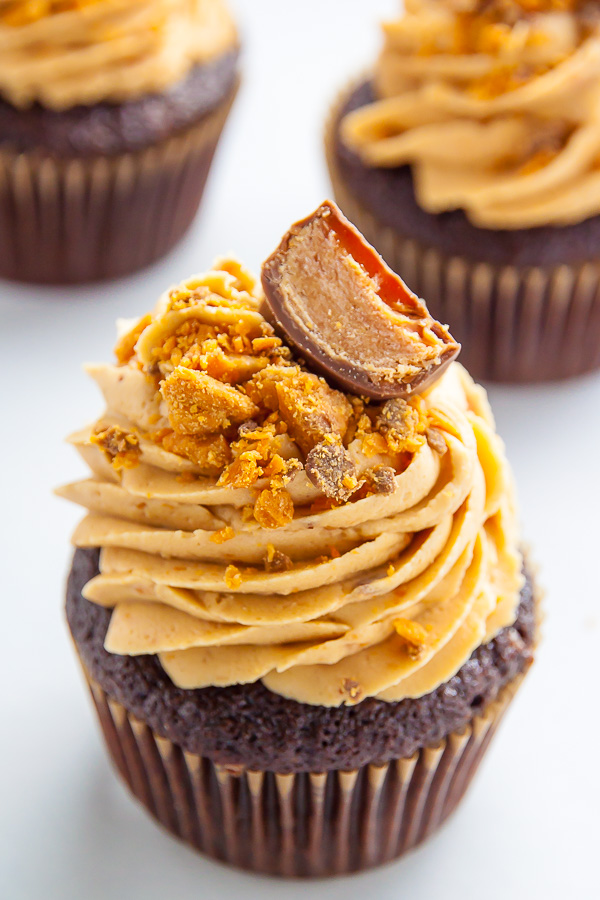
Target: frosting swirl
column 62, row 53
column 222, row 556
column 496, row 107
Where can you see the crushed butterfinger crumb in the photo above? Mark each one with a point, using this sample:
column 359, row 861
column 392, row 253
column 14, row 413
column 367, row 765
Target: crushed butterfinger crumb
column 381, row 479
column 121, row 448
column 413, row 634
column 396, row 415
column 200, row 404
column 273, row 509
column 265, row 344
column 276, row 561
column 351, row 689
column 233, row 577
column 311, row 409
column 210, row 454
column 225, row 534
column 243, row 472
column 403, row 424
column 330, row 468
column 243, row 408
column 436, row 441
column 125, row 347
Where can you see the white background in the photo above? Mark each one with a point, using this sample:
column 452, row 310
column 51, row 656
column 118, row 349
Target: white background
column 529, row 827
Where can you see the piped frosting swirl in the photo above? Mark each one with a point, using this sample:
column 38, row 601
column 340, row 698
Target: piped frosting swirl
column 62, row 53
column 228, row 557
column 495, row 105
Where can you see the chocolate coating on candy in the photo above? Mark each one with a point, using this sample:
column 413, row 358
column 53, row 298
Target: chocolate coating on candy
column 348, row 314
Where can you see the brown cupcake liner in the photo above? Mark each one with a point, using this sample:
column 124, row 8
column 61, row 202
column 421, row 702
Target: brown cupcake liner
column 311, row 824
column 515, row 323
column 91, row 218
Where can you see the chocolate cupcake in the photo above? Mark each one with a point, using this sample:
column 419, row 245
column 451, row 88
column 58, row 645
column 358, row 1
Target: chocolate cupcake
column 301, row 608
column 110, row 113
column 469, row 157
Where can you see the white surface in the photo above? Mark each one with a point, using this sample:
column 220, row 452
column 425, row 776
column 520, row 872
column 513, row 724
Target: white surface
column 529, row 827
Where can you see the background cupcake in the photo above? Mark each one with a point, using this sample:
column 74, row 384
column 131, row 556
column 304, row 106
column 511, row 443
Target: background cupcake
column 309, row 610
column 110, row 112
column 470, row 159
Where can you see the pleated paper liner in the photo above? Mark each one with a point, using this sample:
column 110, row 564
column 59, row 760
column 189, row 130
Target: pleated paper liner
column 312, row 824
column 76, row 220
column 515, row 323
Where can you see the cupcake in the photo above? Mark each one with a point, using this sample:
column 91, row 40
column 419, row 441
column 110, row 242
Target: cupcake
column 110, row 113
column 298, row 598
column 470, row 158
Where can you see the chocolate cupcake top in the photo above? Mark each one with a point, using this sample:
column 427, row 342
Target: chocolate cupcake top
column 63, row 53
column 496, row 106
column 256, row 522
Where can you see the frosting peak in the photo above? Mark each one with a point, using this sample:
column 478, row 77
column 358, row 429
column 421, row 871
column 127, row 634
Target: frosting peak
column 495, row 105
column 62, row 53
column 256, row 523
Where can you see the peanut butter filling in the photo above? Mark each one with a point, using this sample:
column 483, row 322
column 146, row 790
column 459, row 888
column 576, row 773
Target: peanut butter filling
column 257, row 523
column 494, row 105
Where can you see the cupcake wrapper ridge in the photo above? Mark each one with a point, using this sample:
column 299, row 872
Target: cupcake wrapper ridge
column 515, row 323
column 86, row 219
column 311, row 824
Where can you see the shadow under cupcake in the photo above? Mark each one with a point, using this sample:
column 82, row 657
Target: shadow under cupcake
column 470, row 160
column 297, row 596
column 110, row 114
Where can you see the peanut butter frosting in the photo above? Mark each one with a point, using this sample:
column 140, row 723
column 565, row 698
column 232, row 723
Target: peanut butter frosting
column 495, row 104
column 62, row 53
column 255, row 523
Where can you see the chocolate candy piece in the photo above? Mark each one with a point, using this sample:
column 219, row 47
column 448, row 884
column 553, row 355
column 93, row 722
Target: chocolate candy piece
column 381, row 479
column 348, row 314
column 330, row 468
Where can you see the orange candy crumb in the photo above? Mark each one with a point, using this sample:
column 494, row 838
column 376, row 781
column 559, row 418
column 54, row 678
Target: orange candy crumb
column 273, row 509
